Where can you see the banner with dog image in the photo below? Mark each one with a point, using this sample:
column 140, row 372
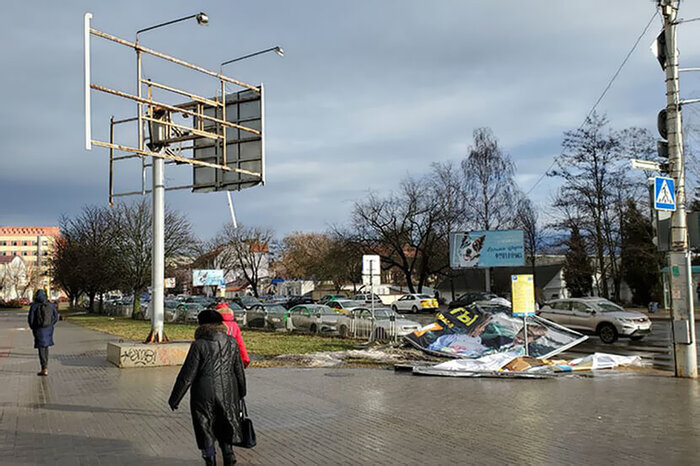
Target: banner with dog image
column 501, row 248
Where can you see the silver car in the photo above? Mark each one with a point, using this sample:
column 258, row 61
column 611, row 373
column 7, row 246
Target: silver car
column 597, row 316
column 359, row 323
column 314, row 318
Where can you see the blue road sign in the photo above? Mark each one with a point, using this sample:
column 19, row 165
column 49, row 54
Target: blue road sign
column 664, row 193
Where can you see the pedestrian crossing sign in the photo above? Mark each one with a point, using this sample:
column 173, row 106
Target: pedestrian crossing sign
column 664, row 193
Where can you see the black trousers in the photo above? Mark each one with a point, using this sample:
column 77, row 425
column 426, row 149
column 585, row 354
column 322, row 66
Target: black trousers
column 44, row 356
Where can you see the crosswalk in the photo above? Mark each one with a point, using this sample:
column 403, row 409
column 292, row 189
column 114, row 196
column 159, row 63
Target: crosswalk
column 655, row 350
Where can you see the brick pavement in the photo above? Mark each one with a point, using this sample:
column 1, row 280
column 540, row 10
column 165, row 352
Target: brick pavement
column 88, row 412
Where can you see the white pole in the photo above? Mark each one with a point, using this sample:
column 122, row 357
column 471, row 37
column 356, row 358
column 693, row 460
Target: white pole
column 86, row 69
column 230, row 206
column 371, row 293
column 682, row 311
column 158, row 251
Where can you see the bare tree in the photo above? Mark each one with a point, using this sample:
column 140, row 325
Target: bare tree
column 403, row 229
column 593, row 165
column 489, row 186
column 245, row 252
column 526, row 218
column 132, row 223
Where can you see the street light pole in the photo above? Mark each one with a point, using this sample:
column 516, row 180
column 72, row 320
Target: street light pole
column 682, row 312
column 158, row 198
column 279, row 51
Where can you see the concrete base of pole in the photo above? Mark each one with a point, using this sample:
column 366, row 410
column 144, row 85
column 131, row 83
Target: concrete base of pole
column 130, row 354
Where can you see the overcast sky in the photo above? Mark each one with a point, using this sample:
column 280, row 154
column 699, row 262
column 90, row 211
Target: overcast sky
column 367, row 93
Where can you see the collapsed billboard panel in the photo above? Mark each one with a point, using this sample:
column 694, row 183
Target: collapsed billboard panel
column 481, row 329
column 502, row 248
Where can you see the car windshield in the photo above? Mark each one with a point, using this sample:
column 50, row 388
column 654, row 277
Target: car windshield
column 349, row 303
column 424, row 296
column 607, row 306
column 275, row 309
column 195, row 307
column 384, row 313
column 323, row 310
column 249, row 300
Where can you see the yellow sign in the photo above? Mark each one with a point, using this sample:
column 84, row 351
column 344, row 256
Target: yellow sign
column 523, row 291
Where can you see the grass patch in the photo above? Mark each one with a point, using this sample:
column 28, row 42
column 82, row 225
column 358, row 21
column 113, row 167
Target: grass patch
column 261, row 345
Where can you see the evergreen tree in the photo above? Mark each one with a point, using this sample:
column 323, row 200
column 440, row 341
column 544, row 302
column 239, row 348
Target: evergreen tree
column 641, row 262
column 578, row 270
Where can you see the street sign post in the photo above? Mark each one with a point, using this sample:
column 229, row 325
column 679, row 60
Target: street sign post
column 371, row 275
column 523, row 294
column 664, row 193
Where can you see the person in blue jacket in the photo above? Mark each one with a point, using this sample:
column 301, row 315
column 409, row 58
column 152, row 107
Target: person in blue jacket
column 43, row 334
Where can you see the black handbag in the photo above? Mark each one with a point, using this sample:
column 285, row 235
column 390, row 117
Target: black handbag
column 247, row 430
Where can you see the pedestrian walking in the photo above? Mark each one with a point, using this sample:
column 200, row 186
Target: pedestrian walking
column 214, row 371
column 42, row 318
column 233, row 329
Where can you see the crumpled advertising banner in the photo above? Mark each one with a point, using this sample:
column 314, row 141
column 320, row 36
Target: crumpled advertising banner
column 478, row 330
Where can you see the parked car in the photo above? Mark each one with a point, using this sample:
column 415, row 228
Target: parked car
column 294, row 300
column 367, row 298
column 246, row 302
column 268, row 316
column 314, row 318
column 203, row 300
column 170, row 313
column 470, row 297
column 382, row 320
column 343, row 306
column 328, row 297
column 189, row 311
column 415, row 302
column 597, row 316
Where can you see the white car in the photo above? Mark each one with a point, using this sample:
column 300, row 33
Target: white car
column 597, row 316
column 359, row 322
column 414, row 302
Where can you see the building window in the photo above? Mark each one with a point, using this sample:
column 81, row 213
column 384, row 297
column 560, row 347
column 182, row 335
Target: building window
column 44, row 243
column 14, row 243
column 4, row 243
column 33, row 243
column 4, row 254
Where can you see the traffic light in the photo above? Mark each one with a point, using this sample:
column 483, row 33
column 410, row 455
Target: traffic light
column 662, row 146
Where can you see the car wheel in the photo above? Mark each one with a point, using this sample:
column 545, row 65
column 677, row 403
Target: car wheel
column 414, row 310
column 394, row 308
column 607, row 333
column 636, row 337
column 343, row 331
column 313, row 328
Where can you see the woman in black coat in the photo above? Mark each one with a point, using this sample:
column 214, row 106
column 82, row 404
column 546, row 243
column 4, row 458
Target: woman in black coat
column 214, row 370
column 43, row 335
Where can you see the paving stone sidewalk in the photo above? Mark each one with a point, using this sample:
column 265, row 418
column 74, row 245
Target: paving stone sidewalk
column 88, row 412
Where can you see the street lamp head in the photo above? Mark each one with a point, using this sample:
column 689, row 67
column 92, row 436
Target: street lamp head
column 202, row 18
column 279, row 51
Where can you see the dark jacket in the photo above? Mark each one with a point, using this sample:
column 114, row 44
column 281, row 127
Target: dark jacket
column 214, row 370
column 43, row 336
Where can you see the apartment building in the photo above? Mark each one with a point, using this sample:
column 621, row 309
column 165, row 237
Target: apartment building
column 35, row 245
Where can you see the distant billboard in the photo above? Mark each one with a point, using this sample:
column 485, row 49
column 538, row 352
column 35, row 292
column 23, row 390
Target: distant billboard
column 208, row 278
column 501, row 248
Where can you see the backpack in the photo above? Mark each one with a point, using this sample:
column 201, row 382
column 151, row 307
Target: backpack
column 43, row 315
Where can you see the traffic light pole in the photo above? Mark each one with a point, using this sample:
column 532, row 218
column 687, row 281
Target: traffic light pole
column 682, row 312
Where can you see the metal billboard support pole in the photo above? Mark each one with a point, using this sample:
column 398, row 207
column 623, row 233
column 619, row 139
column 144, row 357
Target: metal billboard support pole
column 158, row 253
column 682, row 312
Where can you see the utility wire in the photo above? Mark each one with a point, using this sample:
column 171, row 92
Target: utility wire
column 607, row 88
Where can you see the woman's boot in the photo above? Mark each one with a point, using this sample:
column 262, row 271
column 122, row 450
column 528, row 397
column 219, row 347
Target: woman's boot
column 229, row 456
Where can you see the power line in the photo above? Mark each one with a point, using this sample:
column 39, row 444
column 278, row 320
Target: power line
column 605, row 91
